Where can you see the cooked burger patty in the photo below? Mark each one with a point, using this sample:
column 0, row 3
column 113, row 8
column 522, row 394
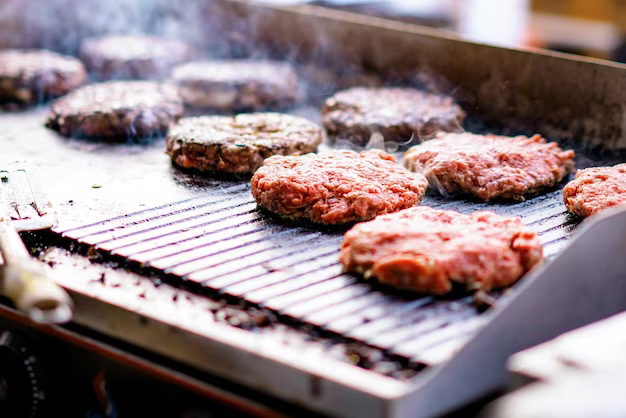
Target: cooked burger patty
column 490, row 166
column 240, row 143
column 116, row 110
column 396, row 113
column 338, row 187
column 30, row 76
column 133, row 56
column 239, row 85
column 596, row 189
column 426, row 250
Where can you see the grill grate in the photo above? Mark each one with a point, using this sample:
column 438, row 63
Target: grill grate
column 224, row 242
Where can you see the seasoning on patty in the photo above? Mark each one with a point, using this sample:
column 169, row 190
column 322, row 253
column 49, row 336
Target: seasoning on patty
column 30, row 76
column 116, row 111
column 596, row 189
column 133, row 56
column 427, row 250
column 240, row 143
column 237, row 85
column 338, row 187
column 490, row 166
column 396, row 113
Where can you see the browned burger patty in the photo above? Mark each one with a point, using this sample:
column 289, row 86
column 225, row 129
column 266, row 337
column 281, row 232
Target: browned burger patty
column 338, row 187
column 426, row 250
column 133, row 56
column 31, row 76
column 396, row 113
column 240, row 143
column 490, row 166
column 596, row 189
column 117, row 110
column 239, row 85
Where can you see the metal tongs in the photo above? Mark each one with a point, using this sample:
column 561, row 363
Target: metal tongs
column 22, row 279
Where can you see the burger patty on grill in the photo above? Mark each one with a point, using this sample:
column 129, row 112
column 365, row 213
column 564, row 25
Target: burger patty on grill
column 28, row 76
column 596, row 189
column 116, row 110
column 133, row 56
column 337, row 187
column 239, row 143
column 426, row 250
column 237, row 85
column 490, row 166
column 397, row 113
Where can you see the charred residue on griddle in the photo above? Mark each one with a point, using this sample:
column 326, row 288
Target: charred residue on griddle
column 247, row 316
column 101, row 279
column 269, row 268
column 93, row 254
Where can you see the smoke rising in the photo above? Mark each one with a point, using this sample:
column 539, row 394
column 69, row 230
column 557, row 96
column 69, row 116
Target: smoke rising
column 61, row 25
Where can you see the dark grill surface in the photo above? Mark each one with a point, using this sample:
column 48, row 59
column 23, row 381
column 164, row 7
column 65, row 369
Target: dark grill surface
column 224, row 242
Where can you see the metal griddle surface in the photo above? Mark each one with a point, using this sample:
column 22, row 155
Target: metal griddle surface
column 208, row 231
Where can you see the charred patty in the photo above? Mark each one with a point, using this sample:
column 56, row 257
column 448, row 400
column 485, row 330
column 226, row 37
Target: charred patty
column 397, row 113
column 338, row 187
column 237, row 85
column 133, row 56
column 490, row 166
column 596, row 189
column 427, row 250
column 116, row 110
column 240, row 143
column 29, row 76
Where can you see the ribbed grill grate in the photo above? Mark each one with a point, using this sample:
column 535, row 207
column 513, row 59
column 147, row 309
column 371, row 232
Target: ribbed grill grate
column 224, row 242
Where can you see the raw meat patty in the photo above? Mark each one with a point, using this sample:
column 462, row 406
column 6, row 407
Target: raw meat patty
column 396, row 113
column 239, row 143
column 596, row 189
column 490, row 166
column 237, row 85
column 116, row 110
column 29, row 76
column 338, row 187
column 133, row 56
column 426, row 250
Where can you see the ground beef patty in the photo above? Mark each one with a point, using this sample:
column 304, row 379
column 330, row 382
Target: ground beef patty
column 338, row 187
column 396, row 113
column 239, row 143
column 426, row 250
column 239, row 85
column 133, row 56
column 117, row 110
column 596, row 189
column 31, row 76
column 490, row 166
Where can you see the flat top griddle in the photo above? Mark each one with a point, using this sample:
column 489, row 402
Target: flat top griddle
column 206, row 233
column 525, row 92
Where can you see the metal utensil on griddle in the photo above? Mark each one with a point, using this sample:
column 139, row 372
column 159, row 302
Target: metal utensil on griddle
column 22, row 279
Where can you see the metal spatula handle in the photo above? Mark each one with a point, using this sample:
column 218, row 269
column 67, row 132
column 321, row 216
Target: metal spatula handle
column 26, row 283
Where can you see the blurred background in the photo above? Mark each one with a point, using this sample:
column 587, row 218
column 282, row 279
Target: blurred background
column 595, row 28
